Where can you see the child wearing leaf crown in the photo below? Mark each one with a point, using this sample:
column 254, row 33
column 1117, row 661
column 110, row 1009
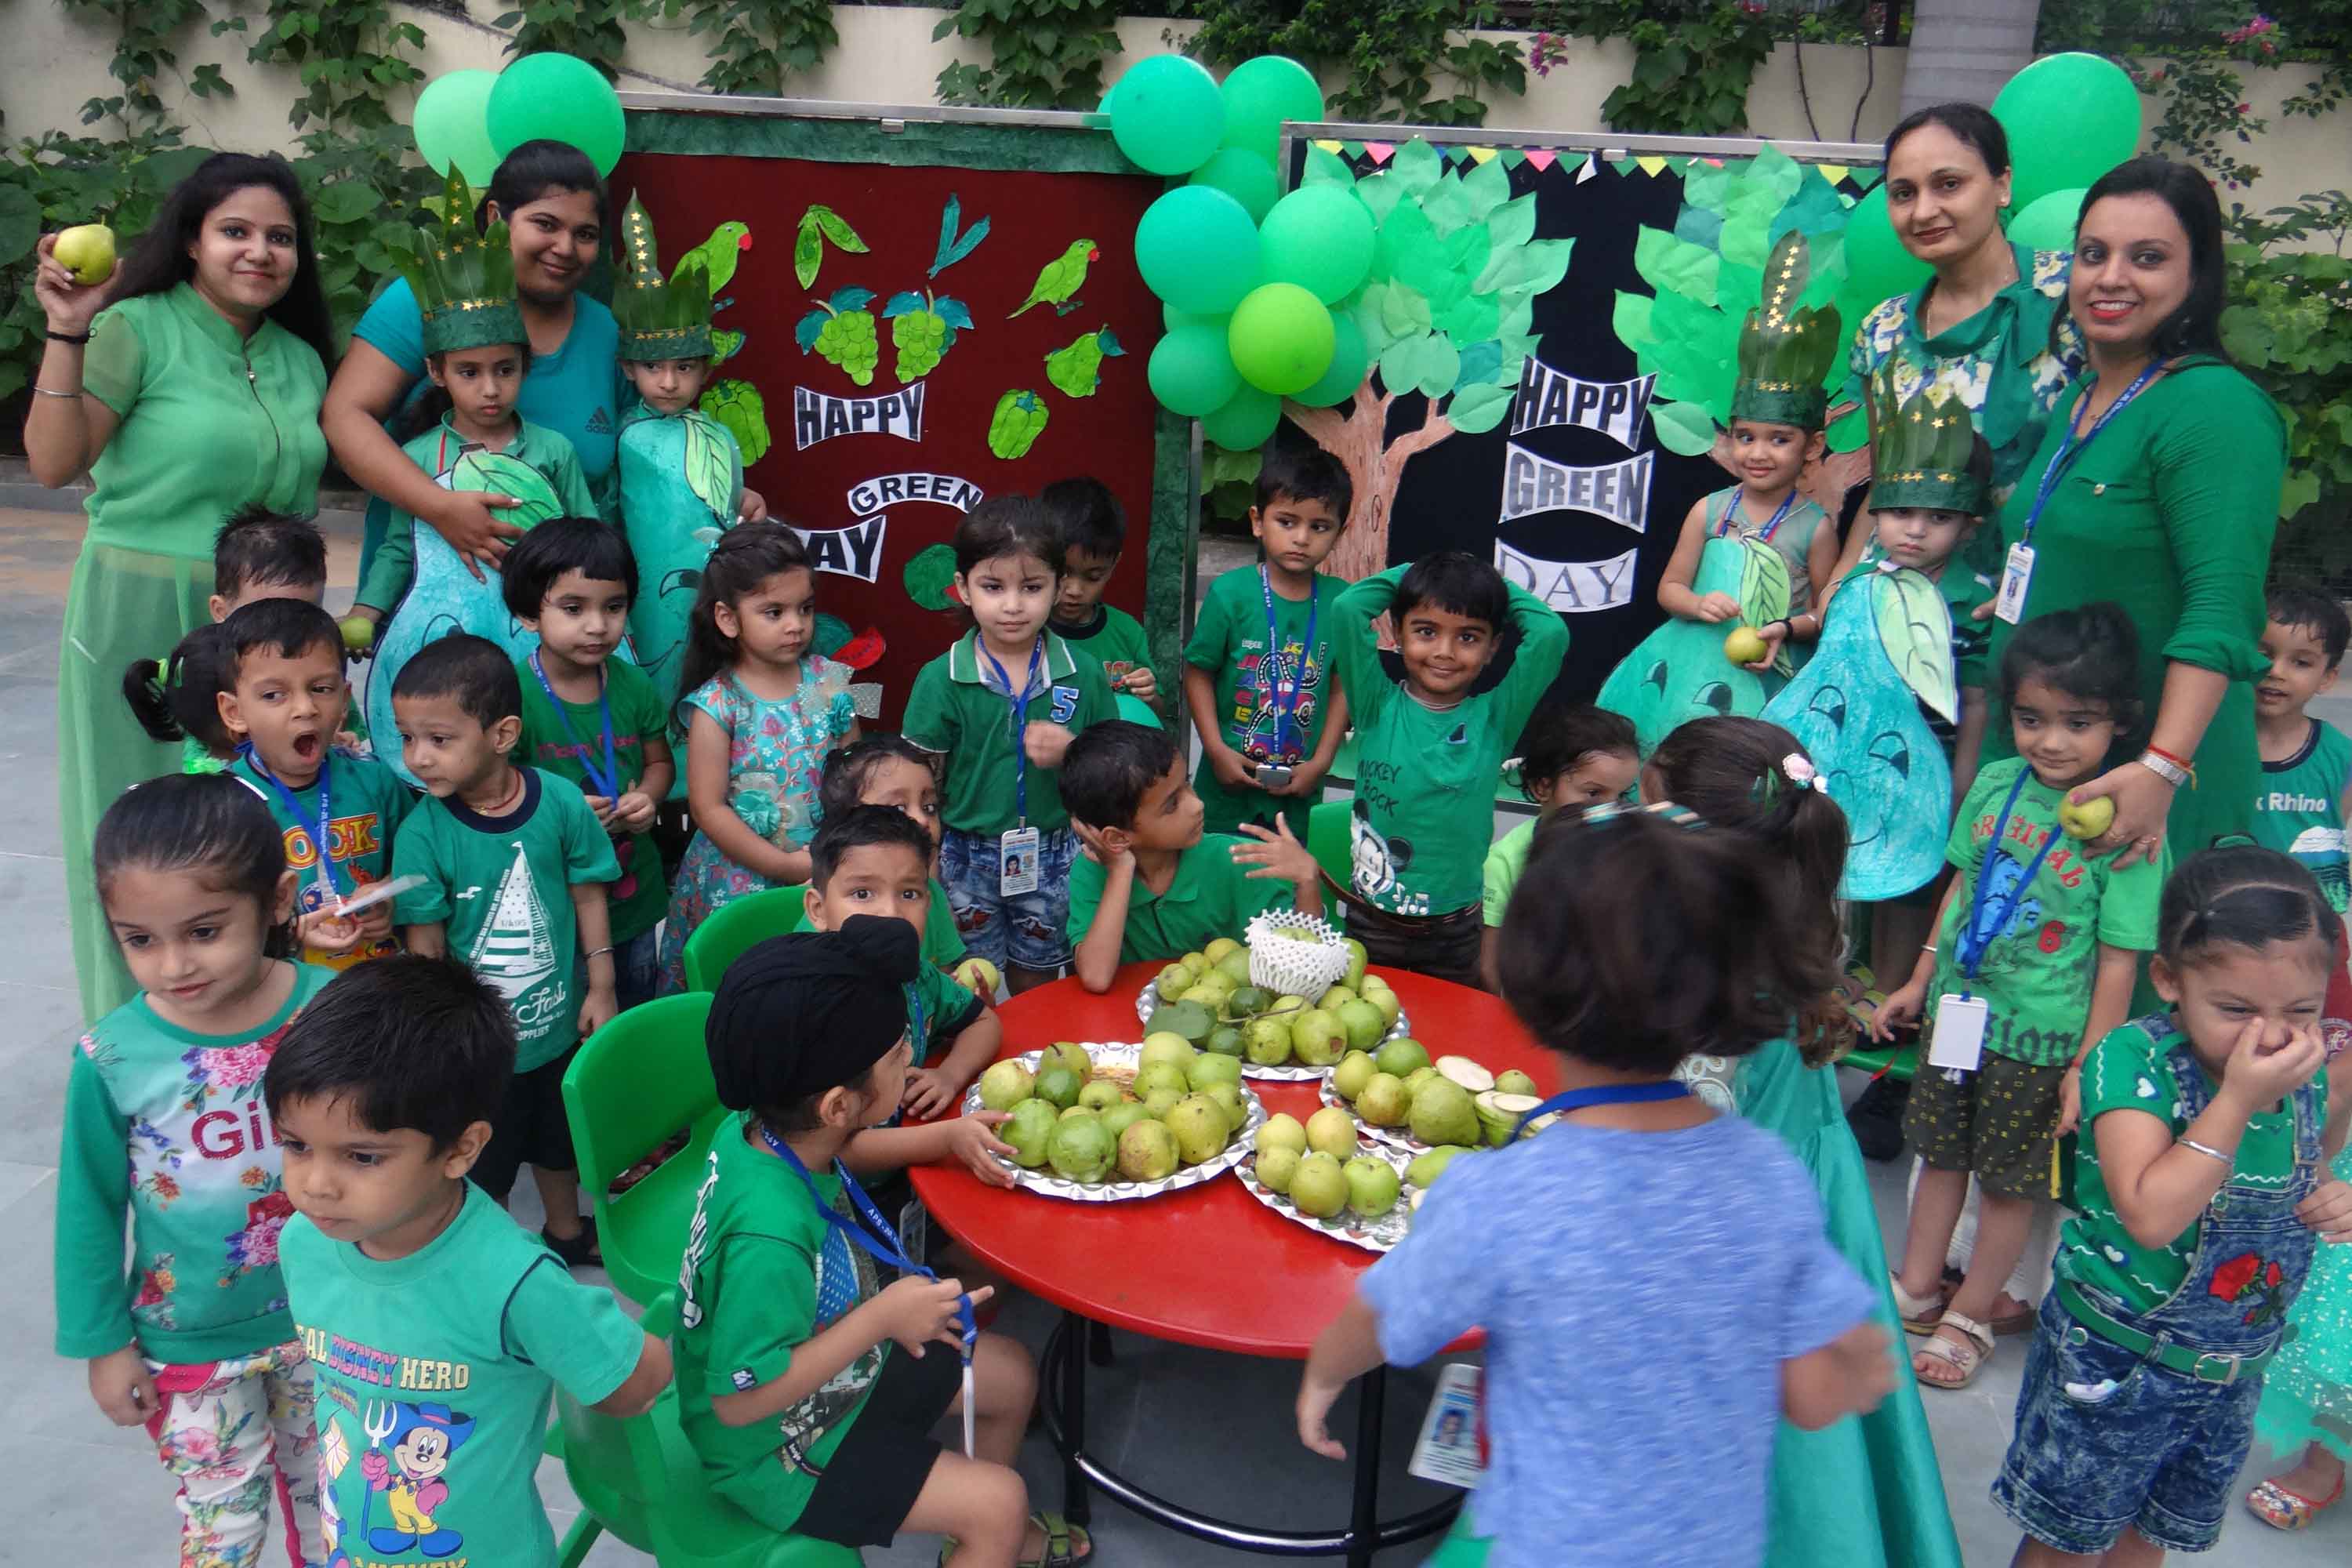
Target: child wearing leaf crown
column 1750, row 556
column 476, row 351
column 681, row 470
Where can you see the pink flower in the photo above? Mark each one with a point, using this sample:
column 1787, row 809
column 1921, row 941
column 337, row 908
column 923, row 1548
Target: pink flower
column 232, row 1067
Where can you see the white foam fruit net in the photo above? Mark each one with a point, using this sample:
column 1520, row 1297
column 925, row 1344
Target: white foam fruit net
column 1288, row 966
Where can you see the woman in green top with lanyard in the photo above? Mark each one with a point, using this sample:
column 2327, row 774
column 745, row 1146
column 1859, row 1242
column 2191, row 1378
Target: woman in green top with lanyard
column 189, row 386
column 2157, row 487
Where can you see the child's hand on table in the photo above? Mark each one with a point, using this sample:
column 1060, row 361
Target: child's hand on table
column 915, row 1311
column 1276, row 854
column 2329, row 1211
column 932, row 1092
column 972, row 1140
column 123, row 1387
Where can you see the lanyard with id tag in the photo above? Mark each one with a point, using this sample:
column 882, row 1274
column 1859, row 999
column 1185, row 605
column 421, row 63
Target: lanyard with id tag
column 1016, row 848
column 1961, row 1020
column 2017, row 572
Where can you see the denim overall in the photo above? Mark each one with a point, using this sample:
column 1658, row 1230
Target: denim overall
column 2109, row 1435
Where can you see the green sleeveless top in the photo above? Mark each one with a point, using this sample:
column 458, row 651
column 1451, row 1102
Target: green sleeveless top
column 1790, row 541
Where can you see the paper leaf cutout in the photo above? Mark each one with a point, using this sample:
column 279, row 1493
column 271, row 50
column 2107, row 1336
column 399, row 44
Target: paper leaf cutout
column 1683, row 427
column 840, row 233
column 953, row 248
column 808, row 251
column 1479, row 409
column 901, row 303
column 1915, row 627
column 711, row 471
column 928, row 575
column 955, row 313
column 1763, row 584
column 738, row 406
column 725, row 344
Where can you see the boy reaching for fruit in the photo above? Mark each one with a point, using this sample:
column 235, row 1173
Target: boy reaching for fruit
column 809, row 1393
column 1151, row 885
column 1725, row 1307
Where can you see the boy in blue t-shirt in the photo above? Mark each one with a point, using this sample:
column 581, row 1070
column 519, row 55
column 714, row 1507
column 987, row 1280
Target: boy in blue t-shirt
column 436, row 1330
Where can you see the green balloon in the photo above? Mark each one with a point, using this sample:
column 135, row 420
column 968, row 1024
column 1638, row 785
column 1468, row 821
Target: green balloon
column 1242, row 175
column 2070, row 118
column 1244, row 424
column 2047, row 222
column 1198, row 250
column 1320, row 237
column 1167, row 115
column 1136, row 711
column 1260, row 94
column 1171, row 318
column 1281, row 339
column 1877, row 265
column 453, row 121
column 1191, row 371
column 557, row 98
column 1349, row 362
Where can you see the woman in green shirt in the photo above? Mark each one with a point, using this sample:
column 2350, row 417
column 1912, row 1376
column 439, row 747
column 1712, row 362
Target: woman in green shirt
column 2157, row 487
column 189, row 386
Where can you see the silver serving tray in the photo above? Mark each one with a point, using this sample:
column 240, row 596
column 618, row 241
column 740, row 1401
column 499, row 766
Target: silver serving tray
column 1043, row 1182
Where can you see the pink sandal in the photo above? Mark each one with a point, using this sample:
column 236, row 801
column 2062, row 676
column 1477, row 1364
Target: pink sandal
column 2280, row 1508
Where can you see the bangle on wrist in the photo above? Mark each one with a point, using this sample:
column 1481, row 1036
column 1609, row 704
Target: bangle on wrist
column 2208, row 1151
column 2175, row 758
column 77, row 339
column 52, row 392
column 596, row 953
column 2164, row 767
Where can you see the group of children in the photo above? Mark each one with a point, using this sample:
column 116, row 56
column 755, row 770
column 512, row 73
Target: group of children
column 321, row 1305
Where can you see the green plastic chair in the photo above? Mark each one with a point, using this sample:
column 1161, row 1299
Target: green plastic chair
column 640, row 1480
column 722, row 939
column 1327, row 838
column 633, row 1083
column 1897, row 1062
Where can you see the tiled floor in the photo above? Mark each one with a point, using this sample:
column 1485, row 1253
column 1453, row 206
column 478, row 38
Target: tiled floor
column 1211, row 1431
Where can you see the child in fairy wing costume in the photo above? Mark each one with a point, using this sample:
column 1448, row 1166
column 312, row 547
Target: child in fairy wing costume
column 681, row 471
column 468, row 438
column 1751, row 557
column 1888, row 658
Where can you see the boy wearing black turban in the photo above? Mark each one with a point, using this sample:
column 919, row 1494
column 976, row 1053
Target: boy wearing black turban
column 808, row 1392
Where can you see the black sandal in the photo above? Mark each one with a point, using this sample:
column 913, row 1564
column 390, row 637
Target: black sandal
column 577, row 1251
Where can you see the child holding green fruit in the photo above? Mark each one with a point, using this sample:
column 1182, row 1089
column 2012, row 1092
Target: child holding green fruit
column 2038, row 947
column 783, row 1327
column 1570, row 756
column 1726, row 1308
column 1151, row 885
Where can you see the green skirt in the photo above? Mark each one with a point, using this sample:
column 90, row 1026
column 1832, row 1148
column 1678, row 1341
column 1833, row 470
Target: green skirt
column 124, row 605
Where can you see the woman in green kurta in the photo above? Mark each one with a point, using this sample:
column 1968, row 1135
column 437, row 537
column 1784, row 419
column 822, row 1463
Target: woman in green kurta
column 2162, row 474
column 193, row 391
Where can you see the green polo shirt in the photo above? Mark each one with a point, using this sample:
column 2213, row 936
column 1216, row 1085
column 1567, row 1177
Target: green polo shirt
column 1115, row 637
column 958, row 710
column 1209, row 897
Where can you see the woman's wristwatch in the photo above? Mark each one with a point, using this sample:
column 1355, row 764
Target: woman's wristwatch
column 2172, row 770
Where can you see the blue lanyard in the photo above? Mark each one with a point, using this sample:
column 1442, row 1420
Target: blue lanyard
column 323, row 843
column 1020, row 716
column 1271, row 685
column 1772, row 524
column 1976, row 936
column 2070, row 446
column 1606, row 1094
column 607, row 782
column 873, row 1235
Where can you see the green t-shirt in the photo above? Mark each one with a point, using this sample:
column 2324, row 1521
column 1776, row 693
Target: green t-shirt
column 1505, row 862
column 2037, row 971
column 2299, row 809
column 1229, row 641
column 947, row 1008
column 503, row 886
column 434, row 1373
column 955, row 708
column 943, row 945
column 1425, row 810
column 393, row 568
column 763, row 1273
column 2132, row 1070
column 366, row 803
column 1209, row 897
column 170, row 1126
column 210, row 422
column 1115, row 638
column 641, row 897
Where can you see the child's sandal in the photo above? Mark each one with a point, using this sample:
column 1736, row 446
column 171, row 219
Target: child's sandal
column 1968, row 1358
column 1066, row 1544
column 1920, row 1314
column 2284, row 1509
column 579, row 1251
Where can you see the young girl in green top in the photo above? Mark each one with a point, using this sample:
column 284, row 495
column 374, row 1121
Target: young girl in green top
column 163, row 1118
column 1576, row 756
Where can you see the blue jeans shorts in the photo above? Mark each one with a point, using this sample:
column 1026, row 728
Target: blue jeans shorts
column 2106, row 1441
column 1026, row 930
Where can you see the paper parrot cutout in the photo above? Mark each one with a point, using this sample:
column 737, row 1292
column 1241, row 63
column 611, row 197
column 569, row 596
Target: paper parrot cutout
column 1061, row 278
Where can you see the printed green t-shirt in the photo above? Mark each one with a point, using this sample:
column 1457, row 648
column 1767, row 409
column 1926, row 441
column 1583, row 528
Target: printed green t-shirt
column 764, row 1271
column 1209, row 897
column 1113, row 637
column 1423, row 811
column 2132, row 1070
column 502, row 886
column 366, row 803
column 2037, row 968
column 957, row 707
column 2299, row 809
column 169, row 1126
column 1229, row 641
column 637, row 902
column 434, row 1373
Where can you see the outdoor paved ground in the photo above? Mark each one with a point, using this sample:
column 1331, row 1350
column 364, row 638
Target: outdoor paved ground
column 1211, row 1431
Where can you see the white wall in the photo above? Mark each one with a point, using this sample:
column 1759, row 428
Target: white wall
column 56, row 59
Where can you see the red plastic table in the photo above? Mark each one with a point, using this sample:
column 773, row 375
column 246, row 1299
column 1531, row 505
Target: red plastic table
column 1251, row 1282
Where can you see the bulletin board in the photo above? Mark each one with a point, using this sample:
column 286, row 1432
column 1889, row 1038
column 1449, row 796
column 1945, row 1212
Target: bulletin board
column 936, row 306
column 1578, row 488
